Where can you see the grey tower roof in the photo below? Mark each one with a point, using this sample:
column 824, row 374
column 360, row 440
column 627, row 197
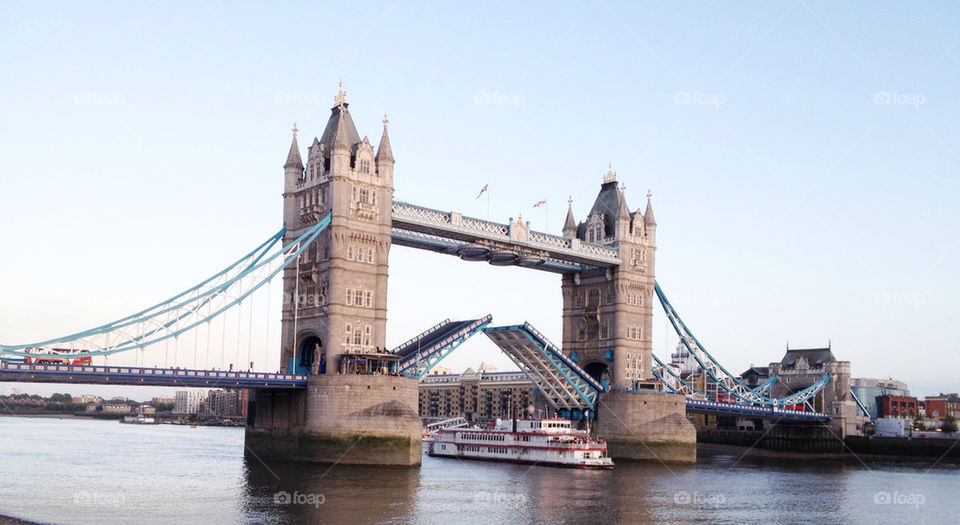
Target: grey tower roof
column 293, row 158
column 812, row 355
column 337, row 120
column 611, row 203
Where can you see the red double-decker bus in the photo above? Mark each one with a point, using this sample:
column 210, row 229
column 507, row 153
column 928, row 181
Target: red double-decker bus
column 64, row 356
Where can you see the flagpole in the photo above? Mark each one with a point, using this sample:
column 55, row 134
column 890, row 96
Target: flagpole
column 488, row 204
column 546, row 217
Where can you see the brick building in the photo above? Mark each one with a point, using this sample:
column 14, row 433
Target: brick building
column 904, row 407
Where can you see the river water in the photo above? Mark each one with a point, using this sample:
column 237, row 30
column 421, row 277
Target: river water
column 88, row 471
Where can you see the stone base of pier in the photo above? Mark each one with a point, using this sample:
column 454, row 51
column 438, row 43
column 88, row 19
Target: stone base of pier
column 343, row 419
column 646, row 427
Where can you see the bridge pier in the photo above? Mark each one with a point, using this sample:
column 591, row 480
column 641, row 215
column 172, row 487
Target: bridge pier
column 344, row 419
column 646, row 427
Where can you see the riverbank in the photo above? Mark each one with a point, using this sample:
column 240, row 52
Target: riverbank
column 116, row 417
column 707, row 452
column 7, row 520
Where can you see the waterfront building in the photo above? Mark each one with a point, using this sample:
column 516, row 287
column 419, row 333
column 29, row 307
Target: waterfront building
column 162, row 401
column 87, row 399
column 479, row 396
column 755, row 376
column 116, row 408
column 891, row 406
column 188, row 401
column 222, row 403
column 869, row 390
column 941, row 406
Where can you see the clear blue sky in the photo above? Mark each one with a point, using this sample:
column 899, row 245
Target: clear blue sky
column 803, row 157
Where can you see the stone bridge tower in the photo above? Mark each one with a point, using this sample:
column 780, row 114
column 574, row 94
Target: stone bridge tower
column 608, row 314
column 335, row 296
column 355, row 408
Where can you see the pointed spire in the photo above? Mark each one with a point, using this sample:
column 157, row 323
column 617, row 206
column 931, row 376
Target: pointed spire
column 384, row 152
column 622, row 211
column 340, row 101
column 648, row 215
column 611, row 176
column 570, row 225
column 293, row 158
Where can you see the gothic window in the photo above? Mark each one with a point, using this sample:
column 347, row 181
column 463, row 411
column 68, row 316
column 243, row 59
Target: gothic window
column 349, row 252
column 371, row 256
column 593, row 299
column 579, row 295
column 348, row 332
column 356, row 336
column 605, row 333
column 349, row 296
column 368, row 299
column 367, row 332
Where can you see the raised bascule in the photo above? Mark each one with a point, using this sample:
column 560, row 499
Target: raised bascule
column 342, row 396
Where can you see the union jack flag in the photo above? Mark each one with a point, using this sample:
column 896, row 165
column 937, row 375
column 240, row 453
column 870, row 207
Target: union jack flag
column 482, row 190
column 541, row 203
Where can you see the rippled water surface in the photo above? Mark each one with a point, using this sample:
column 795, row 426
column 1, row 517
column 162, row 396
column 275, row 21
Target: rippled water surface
column 83, row 471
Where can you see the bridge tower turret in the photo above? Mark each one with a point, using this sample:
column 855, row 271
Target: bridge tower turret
column 336, row 294
column 608, row 314
column 355, row 408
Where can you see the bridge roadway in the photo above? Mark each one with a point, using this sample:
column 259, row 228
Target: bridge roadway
column 764, row 411
column 179, row 377
column 128, row 375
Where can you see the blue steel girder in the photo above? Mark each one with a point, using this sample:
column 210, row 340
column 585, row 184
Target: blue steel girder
column 721, row 375
column 418, row 364
column 682, row 386
column 564, row 384
column 186, row 310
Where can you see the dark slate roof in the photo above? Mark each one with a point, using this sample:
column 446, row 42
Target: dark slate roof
column 348, row 126
column 762, row 371
column 812, row 355
column 611, row 203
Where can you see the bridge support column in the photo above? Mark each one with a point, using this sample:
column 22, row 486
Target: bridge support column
column 646, row 427
column 345, row 419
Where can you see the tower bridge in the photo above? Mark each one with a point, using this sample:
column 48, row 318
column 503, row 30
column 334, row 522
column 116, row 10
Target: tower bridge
column 342, row 396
